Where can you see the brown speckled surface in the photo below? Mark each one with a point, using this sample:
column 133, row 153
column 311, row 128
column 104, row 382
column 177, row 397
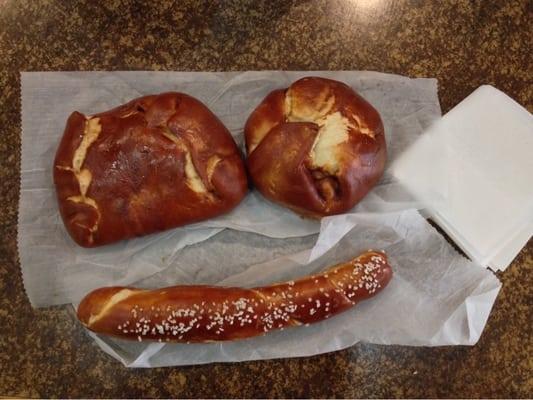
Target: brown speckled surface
column 462, row 43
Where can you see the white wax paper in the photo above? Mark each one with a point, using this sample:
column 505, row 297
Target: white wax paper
column 57, row 271
column 436, row 297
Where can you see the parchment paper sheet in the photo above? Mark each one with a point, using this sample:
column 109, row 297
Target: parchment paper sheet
column 436, row 297
column 57, row 271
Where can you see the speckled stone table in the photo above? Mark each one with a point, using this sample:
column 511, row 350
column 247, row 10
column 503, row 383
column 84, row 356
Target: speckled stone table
column 462, row 43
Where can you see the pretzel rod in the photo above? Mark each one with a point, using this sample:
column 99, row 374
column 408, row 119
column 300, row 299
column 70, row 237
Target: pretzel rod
column 211, row 313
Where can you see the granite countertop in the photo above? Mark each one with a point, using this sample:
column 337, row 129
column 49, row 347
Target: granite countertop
column 462, row 43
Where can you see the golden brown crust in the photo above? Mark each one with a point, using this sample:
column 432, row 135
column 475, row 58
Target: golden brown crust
column 208, row 313
column 152, row 164
column 316, row 147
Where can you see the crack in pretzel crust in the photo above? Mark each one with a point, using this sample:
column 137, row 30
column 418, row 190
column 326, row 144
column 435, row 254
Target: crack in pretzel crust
column 208, row 313
column 91, row 131
column 334, row 128
column 334, row 125
column 362, row 128
column 116, row 298
column 194, row 181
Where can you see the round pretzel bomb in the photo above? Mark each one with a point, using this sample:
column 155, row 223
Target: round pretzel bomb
column 316, row 147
